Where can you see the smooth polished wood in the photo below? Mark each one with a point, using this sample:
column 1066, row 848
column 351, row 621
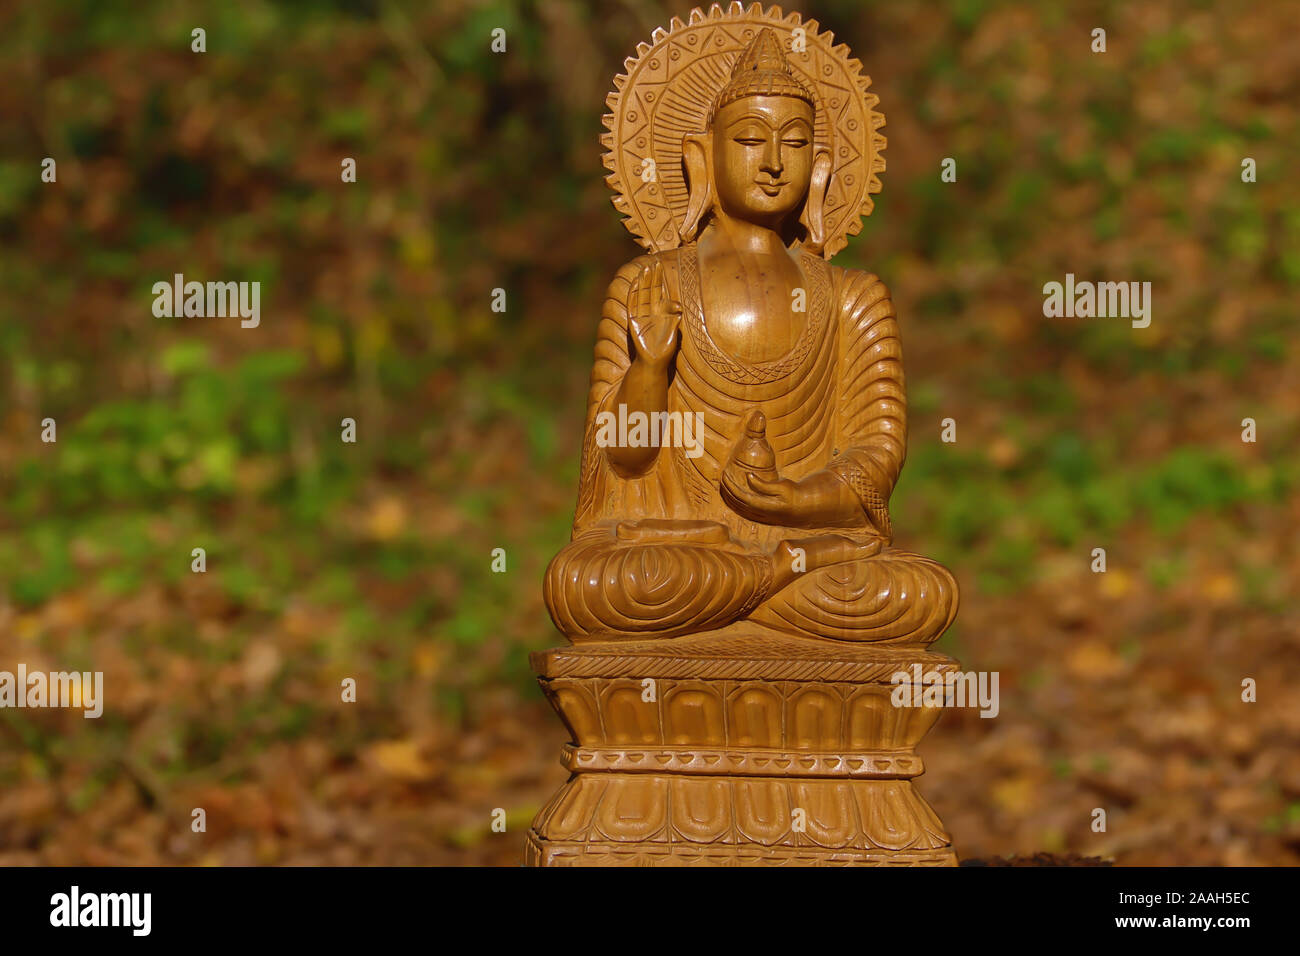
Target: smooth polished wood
column 746, row 425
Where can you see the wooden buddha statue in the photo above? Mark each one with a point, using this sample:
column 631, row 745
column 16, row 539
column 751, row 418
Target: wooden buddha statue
column 773, row 515
column 738, row 620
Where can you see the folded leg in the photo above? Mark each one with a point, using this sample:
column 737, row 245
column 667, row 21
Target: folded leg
column 893, row 598
column 598, row 587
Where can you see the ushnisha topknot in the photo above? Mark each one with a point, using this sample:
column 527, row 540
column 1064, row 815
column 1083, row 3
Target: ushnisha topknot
column 762, row 70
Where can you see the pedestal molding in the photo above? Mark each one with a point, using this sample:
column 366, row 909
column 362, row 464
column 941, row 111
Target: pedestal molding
column 880, row 764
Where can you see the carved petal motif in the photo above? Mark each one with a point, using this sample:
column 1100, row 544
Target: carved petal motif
column 762, row 811
column 701, row 810
column 693, row 715
column 832, row 818
column 755, row 718
column 628, row 719
column 630, row 810
column 816, row 718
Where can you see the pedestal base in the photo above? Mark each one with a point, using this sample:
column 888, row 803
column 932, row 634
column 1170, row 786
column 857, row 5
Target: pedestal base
column 736, row 750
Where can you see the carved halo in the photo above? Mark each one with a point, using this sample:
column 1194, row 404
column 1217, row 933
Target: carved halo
column 670, row 86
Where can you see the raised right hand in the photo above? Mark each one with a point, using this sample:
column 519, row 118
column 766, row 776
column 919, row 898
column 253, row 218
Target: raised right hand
column 653, row 317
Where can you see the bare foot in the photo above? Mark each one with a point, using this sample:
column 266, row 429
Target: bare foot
column 795, row 556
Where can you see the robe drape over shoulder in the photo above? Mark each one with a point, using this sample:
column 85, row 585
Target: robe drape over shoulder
column 835, row 401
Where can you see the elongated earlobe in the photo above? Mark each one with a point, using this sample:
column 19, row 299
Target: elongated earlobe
column 695, row 154
column 814, row 207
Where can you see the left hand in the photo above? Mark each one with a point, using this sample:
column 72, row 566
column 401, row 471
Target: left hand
column 822, row 500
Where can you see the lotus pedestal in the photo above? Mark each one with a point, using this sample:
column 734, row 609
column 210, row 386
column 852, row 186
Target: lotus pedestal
column 737, row 749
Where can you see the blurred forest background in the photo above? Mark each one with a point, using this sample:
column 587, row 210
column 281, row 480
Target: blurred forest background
column 479, row 170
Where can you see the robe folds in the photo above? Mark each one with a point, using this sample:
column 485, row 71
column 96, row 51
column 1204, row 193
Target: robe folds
column 662, row 553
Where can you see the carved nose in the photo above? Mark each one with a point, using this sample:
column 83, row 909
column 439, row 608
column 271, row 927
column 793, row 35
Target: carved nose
column 772, row 159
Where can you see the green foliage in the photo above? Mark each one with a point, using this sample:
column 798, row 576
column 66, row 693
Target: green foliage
column 187, row 440
column 1072, row 492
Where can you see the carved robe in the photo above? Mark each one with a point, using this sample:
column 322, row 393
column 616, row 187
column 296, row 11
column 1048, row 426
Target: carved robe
column 836, row 399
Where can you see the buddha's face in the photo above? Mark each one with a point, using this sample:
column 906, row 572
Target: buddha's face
column 763, row 157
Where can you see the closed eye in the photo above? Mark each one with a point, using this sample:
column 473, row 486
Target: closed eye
column 748, row 141
column 795, row 143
